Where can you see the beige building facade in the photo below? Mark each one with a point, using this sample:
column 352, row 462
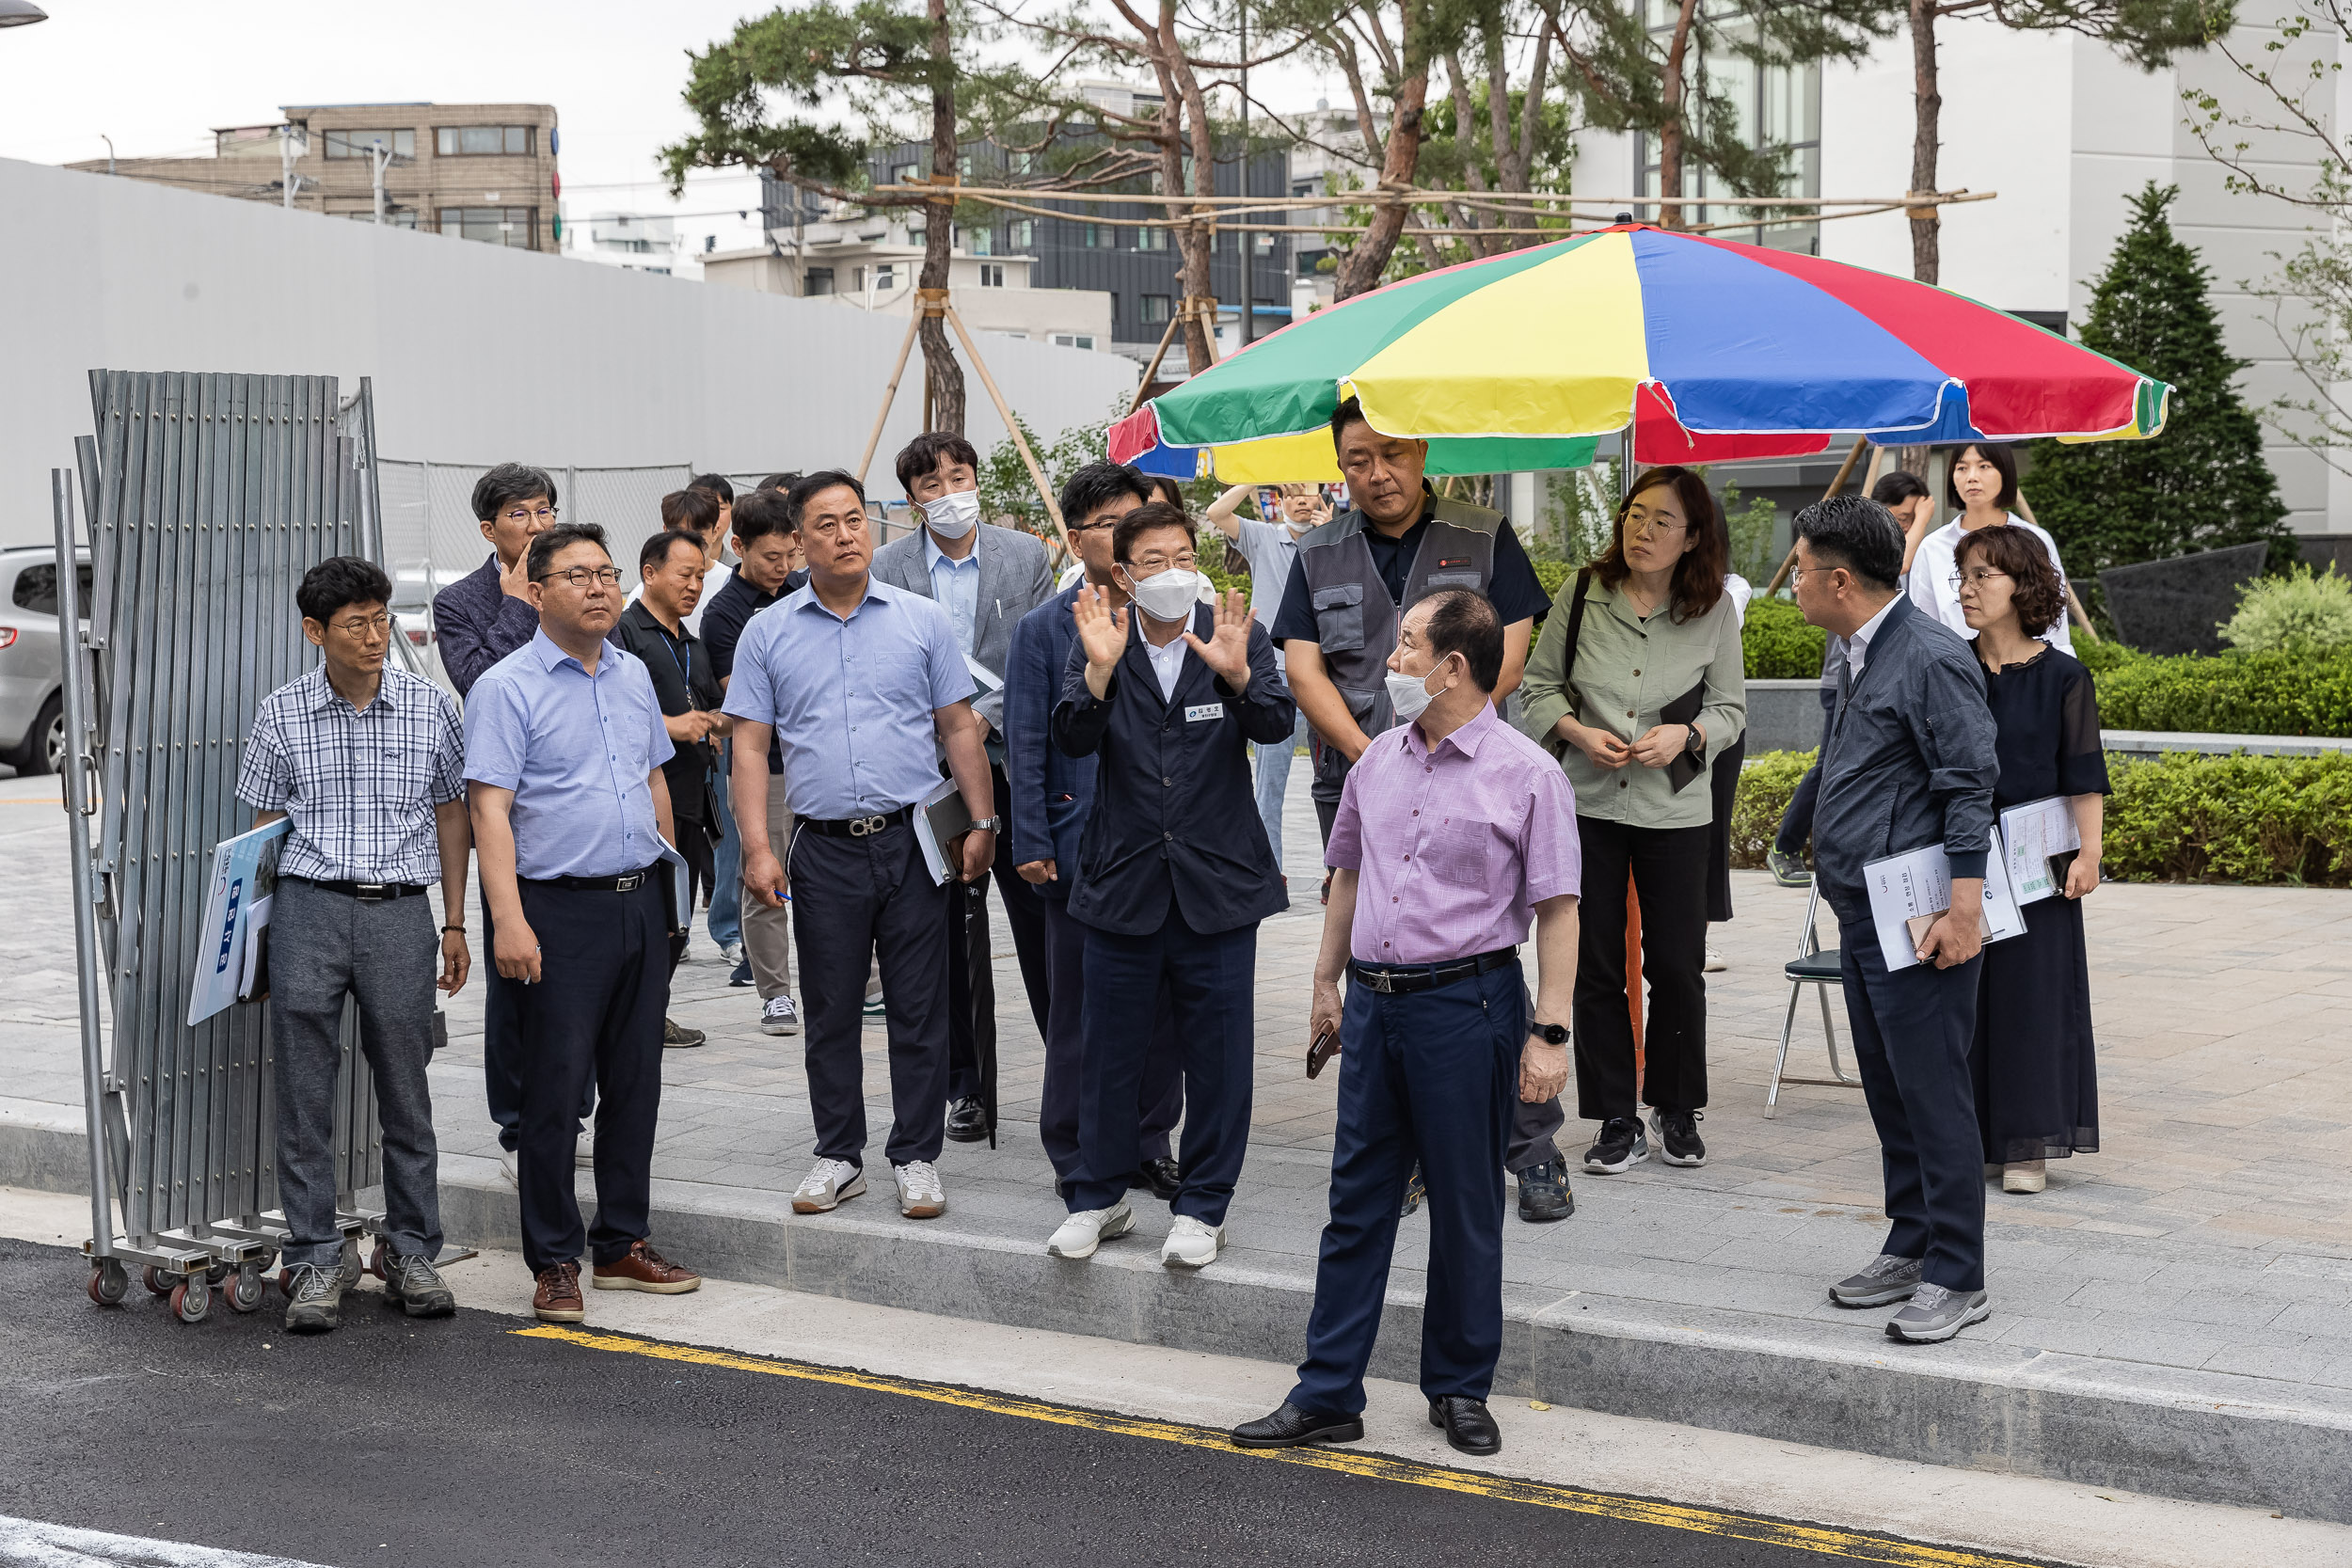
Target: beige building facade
column 476, row 171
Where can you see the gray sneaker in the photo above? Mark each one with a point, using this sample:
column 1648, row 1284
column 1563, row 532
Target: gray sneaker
column 412, row 1284
column 1935, row 1314
column 1787, row 870
column 1888, row 1280
column 314, row 1298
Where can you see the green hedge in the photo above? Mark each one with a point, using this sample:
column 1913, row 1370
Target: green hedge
column 1780, row 644
column 2180, row 818
column 2272, row 693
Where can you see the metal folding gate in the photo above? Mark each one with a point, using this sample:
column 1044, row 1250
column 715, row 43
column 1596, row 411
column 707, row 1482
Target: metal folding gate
column 209, row 495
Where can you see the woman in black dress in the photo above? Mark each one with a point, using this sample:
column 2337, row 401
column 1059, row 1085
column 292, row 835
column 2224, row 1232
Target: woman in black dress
column 2037, row 1082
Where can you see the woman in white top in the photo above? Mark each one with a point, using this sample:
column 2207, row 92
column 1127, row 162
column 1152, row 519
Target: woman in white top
column 1983, row 483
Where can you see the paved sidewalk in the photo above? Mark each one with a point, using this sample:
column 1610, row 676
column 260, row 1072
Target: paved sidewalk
column 2211, row 1239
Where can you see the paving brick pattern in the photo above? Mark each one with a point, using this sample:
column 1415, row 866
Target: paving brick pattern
column 2213, row 1231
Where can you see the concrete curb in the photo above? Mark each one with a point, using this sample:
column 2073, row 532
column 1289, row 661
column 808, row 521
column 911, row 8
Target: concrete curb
column 2202, row 1436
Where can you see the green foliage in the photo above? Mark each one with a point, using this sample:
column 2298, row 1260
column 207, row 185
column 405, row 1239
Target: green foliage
column 1553, row 574
column 2189, row 817
column 2303, row 613
column 2237, row 693
column 1766, row 782
column 1779, row 644
column 2183, row 816
column 2103, row 656
column 1006, row 489
column 1751, row 527
column 2201, row 483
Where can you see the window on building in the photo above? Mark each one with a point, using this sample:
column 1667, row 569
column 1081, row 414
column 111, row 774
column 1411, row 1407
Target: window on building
column 1021, row 162
column 885, row 277
column 1101, row 236
column 905, row 174
column 515, row 227
column 1020, row 234
column 857, row 281
column 1155, row 309
column 357, row 144
column 478, row 142
column 1266, row 245
column 394, row 217
column 1152, row 239
column 992, row 275
column 979, row 242
column 963, row 166
column 1073, row 339
column 1772, row 108
column 1306, row 187
column 817, row 280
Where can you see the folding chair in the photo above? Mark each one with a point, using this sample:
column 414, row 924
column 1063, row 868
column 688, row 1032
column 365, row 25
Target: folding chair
column 1814, row 965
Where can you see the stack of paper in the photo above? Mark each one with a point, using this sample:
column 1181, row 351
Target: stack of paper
column 2030, row 836
column 1919, row 882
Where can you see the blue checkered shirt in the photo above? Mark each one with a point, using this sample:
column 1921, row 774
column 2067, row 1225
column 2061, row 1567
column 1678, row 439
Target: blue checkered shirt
column 359, row 785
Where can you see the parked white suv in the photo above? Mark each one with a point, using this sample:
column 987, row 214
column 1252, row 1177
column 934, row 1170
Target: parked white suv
column 32, row 666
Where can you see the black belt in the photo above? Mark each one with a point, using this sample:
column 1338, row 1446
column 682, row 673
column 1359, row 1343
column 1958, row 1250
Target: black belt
column 626, row 883
column 367, row 893
column 858, row 826
column 1402, row 979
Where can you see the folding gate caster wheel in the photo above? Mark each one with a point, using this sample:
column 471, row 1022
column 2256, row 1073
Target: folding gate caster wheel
column 216, row 1272
column 379, row 1258
column 158, row 1283
column 352, row 1271
column 192, row 1298
column 244, row 1290
column 109, row 1282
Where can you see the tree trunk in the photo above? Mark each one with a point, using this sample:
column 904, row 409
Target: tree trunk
column 942, row 374
column 1927, row 107
column 1670, row 97
column 1359, row 272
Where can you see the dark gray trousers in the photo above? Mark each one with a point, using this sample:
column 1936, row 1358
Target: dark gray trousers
column 855, row 900
column 325, row 947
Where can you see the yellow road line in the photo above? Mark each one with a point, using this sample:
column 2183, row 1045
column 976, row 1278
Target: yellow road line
column 1705, row 1521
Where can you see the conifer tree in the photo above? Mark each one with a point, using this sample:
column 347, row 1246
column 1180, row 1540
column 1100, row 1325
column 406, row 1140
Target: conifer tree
column 2201, row 483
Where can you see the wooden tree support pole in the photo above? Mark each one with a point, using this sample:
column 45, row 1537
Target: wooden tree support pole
column 1144, row 386
column 1836, row 487
column 890, row 395
column 1004, row 411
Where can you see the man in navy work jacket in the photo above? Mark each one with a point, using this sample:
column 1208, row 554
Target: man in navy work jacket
column 1174, row 873
column 1910, row 761
column 1048, row 797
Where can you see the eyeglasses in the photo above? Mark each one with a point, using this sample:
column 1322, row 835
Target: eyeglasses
column 1981, row 576
column 361, row 625
column 526, row 515
column 584, row 577
column 1092, row 528
column 1642, row 528
column 1155, row 562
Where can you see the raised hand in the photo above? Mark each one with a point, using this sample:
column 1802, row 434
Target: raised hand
column 1228, row 651
column 1101, row 631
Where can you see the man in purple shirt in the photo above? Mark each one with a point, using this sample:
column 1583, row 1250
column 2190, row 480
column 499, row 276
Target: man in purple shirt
column 1452, row 829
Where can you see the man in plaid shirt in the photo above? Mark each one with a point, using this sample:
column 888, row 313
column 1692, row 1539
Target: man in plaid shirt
column 369, row 763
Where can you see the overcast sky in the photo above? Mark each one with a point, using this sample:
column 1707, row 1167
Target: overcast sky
column 158, row 75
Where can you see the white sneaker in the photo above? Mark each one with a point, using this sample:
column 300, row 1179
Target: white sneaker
column 779, row 1017
column 1082, row 1232
column 733, row 953
column 1192, row 1243
column 1714, row 964
column 826, row 1184
column 920, row 1195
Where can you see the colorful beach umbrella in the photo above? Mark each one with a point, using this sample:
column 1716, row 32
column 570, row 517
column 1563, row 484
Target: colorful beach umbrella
column 1711, row 349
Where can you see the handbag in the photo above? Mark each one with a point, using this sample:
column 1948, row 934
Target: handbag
column 1684, row 709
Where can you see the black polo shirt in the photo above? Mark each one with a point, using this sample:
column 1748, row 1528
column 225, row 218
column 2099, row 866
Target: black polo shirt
column 723, row 619
column 683, row 682
column 1513, row 589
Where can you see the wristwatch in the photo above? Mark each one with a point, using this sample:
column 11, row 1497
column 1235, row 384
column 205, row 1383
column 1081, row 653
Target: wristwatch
column 1693, row 742
column 990, row 824
column 1553, row 1034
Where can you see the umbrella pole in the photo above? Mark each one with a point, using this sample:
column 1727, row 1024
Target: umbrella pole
column 1836, row 487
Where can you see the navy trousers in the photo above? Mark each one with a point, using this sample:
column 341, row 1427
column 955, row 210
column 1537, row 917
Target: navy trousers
column 1429, row 1077
column 1912, row 1031
column 1206, row 983
column 1162, row 1086
column 593, row 1020
column 503, row 1043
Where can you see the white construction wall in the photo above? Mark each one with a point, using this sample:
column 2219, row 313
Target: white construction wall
column 479, row 355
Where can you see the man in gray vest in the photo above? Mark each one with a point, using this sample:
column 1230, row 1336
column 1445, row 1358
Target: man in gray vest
column 1356, row 576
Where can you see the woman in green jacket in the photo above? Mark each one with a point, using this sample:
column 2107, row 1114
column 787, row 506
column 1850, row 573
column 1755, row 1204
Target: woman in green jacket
column 1639, row 708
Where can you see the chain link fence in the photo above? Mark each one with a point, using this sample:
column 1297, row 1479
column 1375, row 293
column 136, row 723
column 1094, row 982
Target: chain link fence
column 431, row 537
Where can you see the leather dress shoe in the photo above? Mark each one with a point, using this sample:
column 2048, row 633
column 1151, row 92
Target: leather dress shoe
column 967, row 1121
column 1290, row 1427
column 1467, row 1425
column 1164, row 1180
column 641, row 1268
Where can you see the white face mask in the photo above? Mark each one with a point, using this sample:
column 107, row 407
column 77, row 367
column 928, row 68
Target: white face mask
column 1410, row 694
column 953, row 515
column 1168, row 595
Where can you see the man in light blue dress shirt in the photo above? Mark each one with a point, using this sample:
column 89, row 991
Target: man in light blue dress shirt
column 564, row 745
column 861, row 684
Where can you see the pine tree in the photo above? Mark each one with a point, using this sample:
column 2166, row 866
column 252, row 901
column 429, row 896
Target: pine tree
column 2202, row 482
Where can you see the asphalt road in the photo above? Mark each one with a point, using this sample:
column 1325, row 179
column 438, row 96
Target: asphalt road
column 461, row 1442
